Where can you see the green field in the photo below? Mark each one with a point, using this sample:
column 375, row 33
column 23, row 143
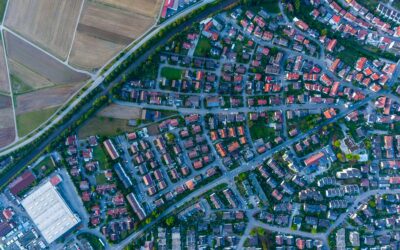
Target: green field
column 203, row 47
column 171, row 73
column 27, row 122
column 100, row 155
column 260, row 131
column 102, row 126
column 270, row 5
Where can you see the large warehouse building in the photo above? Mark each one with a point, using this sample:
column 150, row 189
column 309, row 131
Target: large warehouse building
column 49, row 211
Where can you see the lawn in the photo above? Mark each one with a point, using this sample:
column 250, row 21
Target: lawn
column 260, row 131
column 100, row 155
column 171, row 73
column 102, row 126
column 270, row 5
column 101, row 179
column 48, row 165
column 27, row 122
column 203, row 47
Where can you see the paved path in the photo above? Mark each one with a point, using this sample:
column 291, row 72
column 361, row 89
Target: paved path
column 98, row 79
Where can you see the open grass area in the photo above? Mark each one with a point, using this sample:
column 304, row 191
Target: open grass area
column 102, row 126
column 171, row 73
column 260, row 131
column 270, row 5
column 101, row 179
column 203, row 47
column 19, row 86
column 100, row 155
column 29, row 121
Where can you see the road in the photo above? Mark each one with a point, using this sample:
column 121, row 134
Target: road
column 6, row 177
column 228, row 177
column 98, row 79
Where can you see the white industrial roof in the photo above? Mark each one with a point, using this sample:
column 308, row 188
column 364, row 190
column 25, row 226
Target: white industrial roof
column 49, row 212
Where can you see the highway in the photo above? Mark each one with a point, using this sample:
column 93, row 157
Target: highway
column 5, row 177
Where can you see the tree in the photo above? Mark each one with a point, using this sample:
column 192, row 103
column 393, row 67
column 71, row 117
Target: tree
column 170, row 221
column 340, row 157
column 297, row 5
column 336, row 143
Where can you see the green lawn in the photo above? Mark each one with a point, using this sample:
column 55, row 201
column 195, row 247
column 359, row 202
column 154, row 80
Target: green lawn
column 100, row 155
column 45, row 167
column 203, row 47
column 270, row 5
column 27, row 122
column 171, row 73
column 101, row 179
column 260, row 131
column 103, row 126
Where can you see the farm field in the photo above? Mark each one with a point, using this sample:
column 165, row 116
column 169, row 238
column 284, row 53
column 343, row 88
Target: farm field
column 4, row 83
column 29, row 121
column 106, row 27
column 48, row 23
column 25, row 80
column 39, row 62
column 44, row 98
column 121, row 112
column 7, row 125
column 147, row 7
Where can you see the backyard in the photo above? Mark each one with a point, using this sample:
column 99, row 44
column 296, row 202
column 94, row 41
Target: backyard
column 171, row 73
column 203, row 47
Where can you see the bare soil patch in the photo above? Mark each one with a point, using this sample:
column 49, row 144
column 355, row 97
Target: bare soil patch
column 7, row 125
column 48, row 23
column 91, row 53
column 7, row 136
column 45, row 98
column 5, row 102
column 37, row 61
column 121, row 112
column 107, row 26
column 145, row 7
